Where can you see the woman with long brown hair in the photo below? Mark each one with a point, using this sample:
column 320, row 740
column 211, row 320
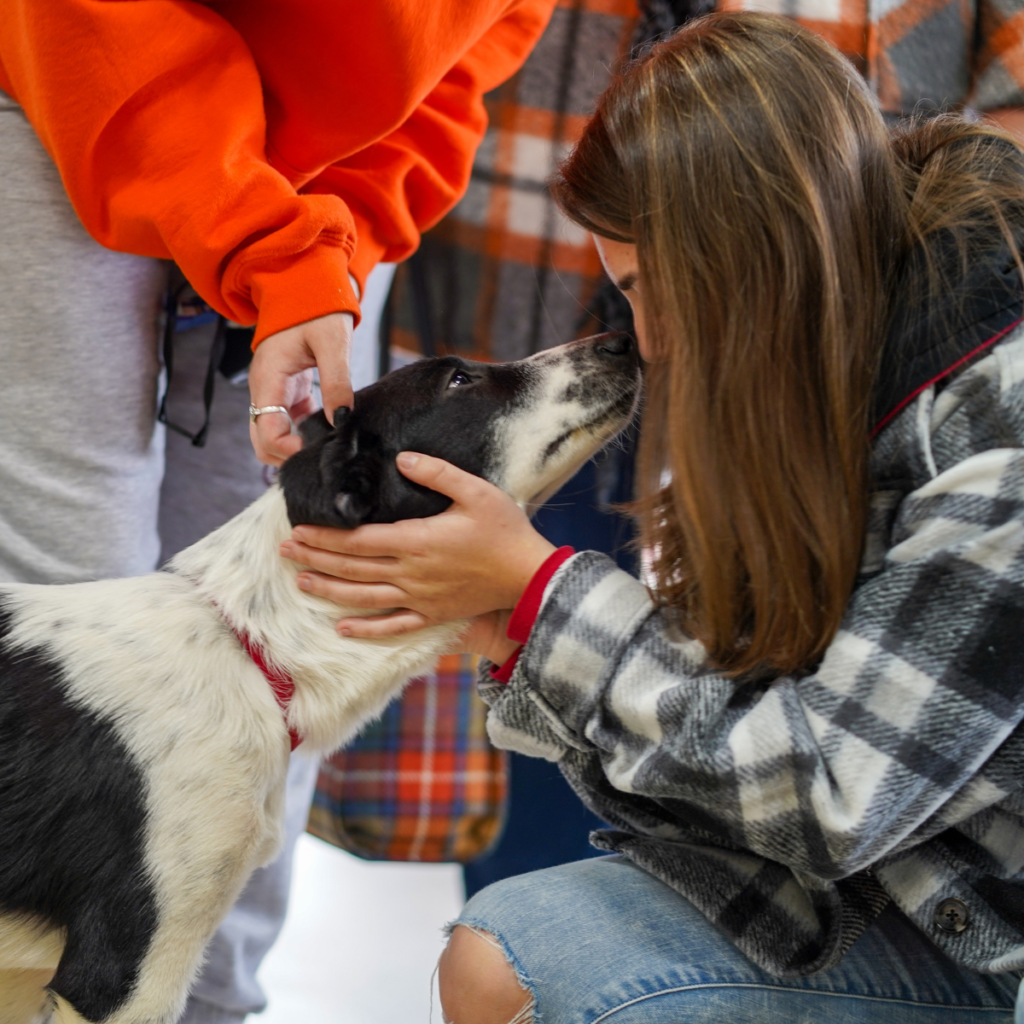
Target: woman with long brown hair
column 805, row 731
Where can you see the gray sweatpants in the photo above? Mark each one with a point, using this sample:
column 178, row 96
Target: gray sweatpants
column 81, row 456
column 82, row 459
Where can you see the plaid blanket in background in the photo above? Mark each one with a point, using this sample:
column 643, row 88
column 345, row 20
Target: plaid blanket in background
column 505, row 274
column 921, row 55
column 421, row 784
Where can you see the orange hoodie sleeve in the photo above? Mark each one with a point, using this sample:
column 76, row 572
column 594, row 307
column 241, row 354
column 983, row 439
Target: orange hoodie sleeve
column 407, row 182
column 153, row 112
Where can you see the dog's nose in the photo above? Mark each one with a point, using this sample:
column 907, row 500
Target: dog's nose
column 616, row 345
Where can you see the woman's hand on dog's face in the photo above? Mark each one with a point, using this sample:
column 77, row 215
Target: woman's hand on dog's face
column 475, row 558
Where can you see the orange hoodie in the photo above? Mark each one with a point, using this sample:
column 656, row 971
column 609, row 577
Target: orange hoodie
column 269, row 147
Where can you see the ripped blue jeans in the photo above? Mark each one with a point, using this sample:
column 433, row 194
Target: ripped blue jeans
column 602, row 942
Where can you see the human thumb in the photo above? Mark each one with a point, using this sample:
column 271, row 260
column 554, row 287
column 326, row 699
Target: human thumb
column 440, row 476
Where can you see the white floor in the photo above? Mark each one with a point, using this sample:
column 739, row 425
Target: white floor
column 361, row 940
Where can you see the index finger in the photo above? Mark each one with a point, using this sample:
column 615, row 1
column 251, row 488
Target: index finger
column 375, row 540
column 330, row 340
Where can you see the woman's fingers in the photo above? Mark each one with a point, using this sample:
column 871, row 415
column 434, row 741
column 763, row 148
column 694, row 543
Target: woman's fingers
column 354, row 568
column 272, row 438
column 411, row 537
column 475, row 557
column 352, row 595
column 329, row 338
column 281, row 374
column 376, row 540
column 396, row 623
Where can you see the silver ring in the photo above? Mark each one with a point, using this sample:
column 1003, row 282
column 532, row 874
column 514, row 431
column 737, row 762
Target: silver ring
column 254, row 411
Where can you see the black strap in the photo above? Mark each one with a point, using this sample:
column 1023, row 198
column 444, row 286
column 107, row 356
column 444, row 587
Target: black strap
column 198, row 438
column 387, row 316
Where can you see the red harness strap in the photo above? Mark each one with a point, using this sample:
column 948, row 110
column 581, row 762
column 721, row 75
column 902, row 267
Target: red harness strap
column 280, row 682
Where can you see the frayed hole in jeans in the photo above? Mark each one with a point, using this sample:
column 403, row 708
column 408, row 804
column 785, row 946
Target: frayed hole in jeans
column 525, row 1013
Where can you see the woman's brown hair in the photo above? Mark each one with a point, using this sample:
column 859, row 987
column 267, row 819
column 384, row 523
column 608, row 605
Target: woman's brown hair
column 772, row 212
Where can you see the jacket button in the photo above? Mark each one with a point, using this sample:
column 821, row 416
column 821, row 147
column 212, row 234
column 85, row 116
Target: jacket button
column 952, row 915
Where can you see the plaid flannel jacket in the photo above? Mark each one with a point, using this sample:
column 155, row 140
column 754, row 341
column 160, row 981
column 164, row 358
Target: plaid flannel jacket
column 921, row 55
column 790, row 812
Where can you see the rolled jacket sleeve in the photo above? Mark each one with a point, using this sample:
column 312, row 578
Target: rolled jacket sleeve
column 153, row 113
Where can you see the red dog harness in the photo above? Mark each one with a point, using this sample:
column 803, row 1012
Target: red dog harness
column 280, row 682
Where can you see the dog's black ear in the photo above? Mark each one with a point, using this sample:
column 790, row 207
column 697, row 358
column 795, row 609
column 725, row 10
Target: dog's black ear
column 316, row 478
column 313, row 428
column 354, row 467
column 350, row 465
column 355, row 503
column 347, row 477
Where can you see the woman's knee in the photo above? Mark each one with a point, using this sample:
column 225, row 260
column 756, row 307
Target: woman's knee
column 477, row 983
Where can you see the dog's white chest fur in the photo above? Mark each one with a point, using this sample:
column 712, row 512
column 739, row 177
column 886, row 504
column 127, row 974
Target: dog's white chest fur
column 143, row 753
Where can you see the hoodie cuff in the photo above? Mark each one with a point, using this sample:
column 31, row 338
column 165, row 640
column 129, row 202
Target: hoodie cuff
column 289, row 291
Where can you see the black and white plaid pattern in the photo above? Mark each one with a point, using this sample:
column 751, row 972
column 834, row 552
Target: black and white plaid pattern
column 791, row 812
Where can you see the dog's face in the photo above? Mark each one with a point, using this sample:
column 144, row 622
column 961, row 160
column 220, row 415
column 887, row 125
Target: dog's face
column 527, row 427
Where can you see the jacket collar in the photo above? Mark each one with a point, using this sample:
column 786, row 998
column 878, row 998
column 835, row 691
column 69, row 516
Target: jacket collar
column 931, row 336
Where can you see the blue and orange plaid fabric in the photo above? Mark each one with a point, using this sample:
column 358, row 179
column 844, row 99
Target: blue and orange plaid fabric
column 421, row 784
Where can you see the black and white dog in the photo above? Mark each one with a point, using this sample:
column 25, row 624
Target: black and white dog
column 143, row 748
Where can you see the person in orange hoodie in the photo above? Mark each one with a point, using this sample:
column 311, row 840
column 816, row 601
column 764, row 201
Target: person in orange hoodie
column 276, row 150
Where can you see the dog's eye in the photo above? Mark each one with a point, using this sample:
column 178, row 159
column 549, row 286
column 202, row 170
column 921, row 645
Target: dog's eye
column 460, row 380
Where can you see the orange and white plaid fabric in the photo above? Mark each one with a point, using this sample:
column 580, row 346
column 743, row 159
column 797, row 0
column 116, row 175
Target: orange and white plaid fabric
column 921, row 55
column 507, row 274
column 422, row 783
